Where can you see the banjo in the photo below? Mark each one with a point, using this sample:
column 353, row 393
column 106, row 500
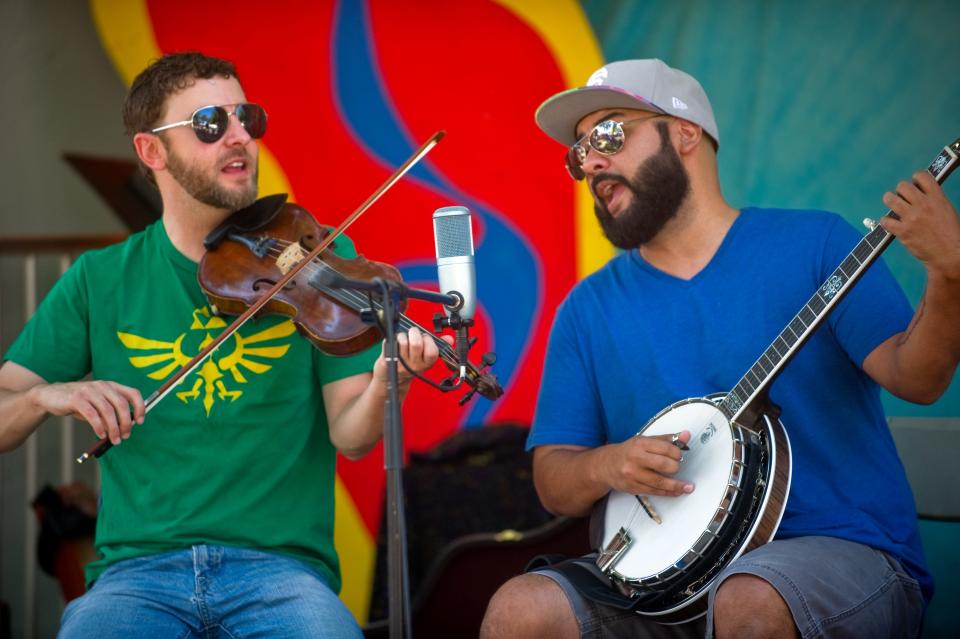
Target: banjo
column 664, row 553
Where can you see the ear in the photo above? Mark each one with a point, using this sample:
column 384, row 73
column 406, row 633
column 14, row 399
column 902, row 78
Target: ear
column 150, row 150
column 689, row 136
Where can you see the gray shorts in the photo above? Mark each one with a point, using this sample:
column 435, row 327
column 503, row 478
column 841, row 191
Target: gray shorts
column 833, row 587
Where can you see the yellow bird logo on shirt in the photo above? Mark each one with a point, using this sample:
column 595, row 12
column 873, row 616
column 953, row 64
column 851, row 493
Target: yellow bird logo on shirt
column 212, row 378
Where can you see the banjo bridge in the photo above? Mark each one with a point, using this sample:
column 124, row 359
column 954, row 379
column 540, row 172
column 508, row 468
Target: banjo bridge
column 649, row 509
column 612, row 552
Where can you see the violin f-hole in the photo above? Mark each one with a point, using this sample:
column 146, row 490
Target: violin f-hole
column 267, row 283
column 309, row 242
column 259, row 246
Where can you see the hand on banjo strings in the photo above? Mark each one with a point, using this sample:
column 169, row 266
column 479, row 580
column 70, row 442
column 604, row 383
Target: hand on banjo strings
column 645, row 465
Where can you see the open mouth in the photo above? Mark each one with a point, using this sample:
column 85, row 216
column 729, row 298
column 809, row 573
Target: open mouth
column 235, row 167
column 608, row 193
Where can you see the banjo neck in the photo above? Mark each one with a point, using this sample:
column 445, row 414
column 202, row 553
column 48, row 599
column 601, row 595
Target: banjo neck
column 749, row 394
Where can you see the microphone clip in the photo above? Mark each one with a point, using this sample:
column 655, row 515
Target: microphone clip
column 454, row 321
column 462, row 342
column 484, row 383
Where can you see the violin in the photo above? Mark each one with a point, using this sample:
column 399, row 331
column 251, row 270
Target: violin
column 281, row 257
column 253, row 248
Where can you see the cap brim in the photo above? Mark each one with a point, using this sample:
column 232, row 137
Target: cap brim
column 558, row 116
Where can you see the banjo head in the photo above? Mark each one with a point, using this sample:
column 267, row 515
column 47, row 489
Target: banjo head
column 688, row 524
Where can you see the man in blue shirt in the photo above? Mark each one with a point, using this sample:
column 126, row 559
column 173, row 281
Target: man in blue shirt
column 700, row 291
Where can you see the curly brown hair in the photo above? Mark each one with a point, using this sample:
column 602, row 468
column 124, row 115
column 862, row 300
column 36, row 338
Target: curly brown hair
column 145, row 101
column 143, row 107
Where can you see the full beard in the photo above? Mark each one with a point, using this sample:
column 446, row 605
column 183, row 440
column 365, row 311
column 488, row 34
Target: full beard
column 207, row 190
column 659, row 186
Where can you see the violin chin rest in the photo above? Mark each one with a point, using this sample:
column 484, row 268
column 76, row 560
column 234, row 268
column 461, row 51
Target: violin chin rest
column 246, row 219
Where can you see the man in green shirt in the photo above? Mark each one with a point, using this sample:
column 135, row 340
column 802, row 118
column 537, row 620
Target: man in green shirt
column 217, row 512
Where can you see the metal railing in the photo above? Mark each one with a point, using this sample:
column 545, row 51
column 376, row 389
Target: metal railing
column 27, row 253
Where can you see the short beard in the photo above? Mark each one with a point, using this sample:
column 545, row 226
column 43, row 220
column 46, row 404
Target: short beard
column 659, row 187
column 204, row 189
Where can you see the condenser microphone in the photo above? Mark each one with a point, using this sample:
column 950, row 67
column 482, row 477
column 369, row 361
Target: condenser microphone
column 453, row 237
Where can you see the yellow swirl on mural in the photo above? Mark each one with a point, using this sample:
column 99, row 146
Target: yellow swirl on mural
column 564, row 28
column 127, row 35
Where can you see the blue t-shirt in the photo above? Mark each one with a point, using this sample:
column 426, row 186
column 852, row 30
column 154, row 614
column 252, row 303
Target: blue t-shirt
column 630, row 340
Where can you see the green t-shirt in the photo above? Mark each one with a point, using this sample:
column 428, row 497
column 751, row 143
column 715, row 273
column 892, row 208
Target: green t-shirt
column 239, row 453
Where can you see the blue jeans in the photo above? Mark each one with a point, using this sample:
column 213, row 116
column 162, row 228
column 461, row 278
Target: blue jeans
column 209, row 591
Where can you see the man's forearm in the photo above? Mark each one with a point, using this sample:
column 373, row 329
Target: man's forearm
column 19, row 417
column 568, row 480
column 926, row 354
column 359, row 426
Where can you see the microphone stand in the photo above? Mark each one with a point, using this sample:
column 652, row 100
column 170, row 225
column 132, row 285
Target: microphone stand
column 399, row 584
column 391, row 293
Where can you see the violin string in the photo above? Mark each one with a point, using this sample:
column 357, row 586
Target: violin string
column 357, row 300
column 351, row 297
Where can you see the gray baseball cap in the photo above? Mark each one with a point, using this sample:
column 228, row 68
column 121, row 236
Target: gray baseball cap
column 649, row 85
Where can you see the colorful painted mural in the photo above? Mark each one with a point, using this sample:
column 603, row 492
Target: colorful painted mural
column 352, row 87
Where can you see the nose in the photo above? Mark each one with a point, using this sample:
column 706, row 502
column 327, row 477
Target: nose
column 236, row 133
column 595, row 162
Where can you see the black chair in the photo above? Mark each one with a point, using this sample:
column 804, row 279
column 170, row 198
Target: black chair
column 5, row 630
column 453, row 595
column 473, row 521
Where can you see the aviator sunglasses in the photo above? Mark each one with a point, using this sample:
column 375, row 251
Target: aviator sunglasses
column 606, row 138
column 210, row 123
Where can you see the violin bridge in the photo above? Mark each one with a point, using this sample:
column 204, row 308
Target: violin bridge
column 290, row 257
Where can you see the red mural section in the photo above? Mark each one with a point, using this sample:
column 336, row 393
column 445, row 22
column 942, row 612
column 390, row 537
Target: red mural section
column 469, row 67
column 480, row 72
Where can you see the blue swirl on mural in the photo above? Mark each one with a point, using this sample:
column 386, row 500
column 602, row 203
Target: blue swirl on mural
column 509, row 273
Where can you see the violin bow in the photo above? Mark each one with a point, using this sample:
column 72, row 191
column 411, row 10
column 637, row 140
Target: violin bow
column 99, row 448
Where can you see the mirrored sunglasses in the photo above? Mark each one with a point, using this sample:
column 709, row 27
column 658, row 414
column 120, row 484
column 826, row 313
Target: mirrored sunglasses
column 210, row 123
column 606, row 138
